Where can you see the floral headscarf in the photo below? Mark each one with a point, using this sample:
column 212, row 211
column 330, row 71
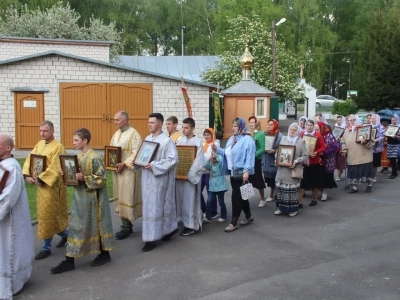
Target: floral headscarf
column 323, row 129
column 207, row 143
column 275, row 129
column 242, row 128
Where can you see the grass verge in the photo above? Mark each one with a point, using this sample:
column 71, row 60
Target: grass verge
column 31, row 191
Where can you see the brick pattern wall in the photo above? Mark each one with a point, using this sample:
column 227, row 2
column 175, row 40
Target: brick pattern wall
column 49, row 71
column 9, row 50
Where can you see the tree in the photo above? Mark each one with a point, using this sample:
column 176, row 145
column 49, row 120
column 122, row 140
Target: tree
column 377, row 72
column 57, row 22
column 257, row 35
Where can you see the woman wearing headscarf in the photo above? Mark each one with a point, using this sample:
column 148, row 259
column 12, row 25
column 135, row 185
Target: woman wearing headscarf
column 286, row 187
column 393, row 145
column 359, row 156
column 239, row 154
column 302, row 123
column 328, row 159
column 312, row 178
column 379, row 137
column 209, row 139
column 340, row 160
column 257, row 180
column 269, row 165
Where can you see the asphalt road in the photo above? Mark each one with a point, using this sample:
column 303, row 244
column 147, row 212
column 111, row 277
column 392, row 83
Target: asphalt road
column 345, row 248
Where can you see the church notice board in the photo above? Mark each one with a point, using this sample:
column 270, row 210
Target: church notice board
column 187, row 155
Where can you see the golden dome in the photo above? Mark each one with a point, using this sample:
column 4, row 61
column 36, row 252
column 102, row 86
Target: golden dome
column 246, row 60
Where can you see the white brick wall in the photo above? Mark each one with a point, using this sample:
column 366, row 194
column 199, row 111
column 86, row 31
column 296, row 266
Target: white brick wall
column 14, row 49
column 48, row 72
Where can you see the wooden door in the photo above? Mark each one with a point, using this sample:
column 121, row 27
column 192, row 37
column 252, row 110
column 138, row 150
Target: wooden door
column 84, row 105
column 234, row 108
column 135, row 99
column 29, row 113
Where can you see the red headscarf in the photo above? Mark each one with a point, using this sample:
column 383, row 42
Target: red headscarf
column 323, row 129
column 275, row 130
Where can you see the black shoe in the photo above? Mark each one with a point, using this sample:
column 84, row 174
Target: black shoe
column 187, row 231
column 168, row 236
column 62, row 242
column 148, row 246
column 352, row 191
column 62, row 267
column 300, row 205
column 392, row 177
column 100, row 260
column 313, row 203
column 369, row 189
column 42, row 254
column 123, row 234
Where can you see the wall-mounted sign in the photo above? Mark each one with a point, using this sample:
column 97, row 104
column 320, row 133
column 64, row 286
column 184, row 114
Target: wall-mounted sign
column 30, row 103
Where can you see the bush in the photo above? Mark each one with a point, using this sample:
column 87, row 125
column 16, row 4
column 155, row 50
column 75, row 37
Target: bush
column 344, row 108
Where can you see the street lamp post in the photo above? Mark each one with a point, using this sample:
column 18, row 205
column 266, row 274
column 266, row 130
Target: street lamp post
column 273, row 46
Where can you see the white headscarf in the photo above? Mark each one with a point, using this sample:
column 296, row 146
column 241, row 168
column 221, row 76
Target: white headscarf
column 305, row 122
column 321, row 118
column 378, row 121
column 293, row 139
column 397, row 119
column 357, row 123
column 343, row 124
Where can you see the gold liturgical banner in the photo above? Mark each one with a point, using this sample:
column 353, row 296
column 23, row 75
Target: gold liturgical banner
column 187, row 155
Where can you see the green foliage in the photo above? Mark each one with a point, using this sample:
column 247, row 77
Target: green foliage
column 344, row 108
column 57, row 22
column 254, row 32
column 378, row 68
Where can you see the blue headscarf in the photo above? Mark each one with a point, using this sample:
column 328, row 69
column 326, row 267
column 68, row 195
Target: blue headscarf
column 242, row 128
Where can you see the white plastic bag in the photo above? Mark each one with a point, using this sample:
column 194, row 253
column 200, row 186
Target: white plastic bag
column 247, row 190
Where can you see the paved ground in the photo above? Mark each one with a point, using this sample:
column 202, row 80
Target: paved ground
column 345, row 248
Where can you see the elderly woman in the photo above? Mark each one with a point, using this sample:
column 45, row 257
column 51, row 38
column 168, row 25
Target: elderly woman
column 209, row 139
column 393, row 145
column 328, row 159
column 257, row 180
column 269, row 165
column 359, row 156
column 239, row 157
column 286, row 187
column 313, row 172
column 378, row 139
column 302, row 123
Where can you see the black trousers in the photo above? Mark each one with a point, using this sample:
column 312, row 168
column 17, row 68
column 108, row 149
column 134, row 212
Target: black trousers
column 238, row 204
column 393, row 165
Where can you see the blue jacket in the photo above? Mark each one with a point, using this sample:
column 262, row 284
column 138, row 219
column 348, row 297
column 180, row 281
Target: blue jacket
column 243, row 154
column 217, row 177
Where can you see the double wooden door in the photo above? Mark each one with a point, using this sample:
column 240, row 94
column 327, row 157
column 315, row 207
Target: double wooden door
column 93, row 106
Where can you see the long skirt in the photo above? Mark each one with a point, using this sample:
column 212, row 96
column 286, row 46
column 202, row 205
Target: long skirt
column 340, row 161
column 313, row 177
column 355, row 172
column 257, row 179
column 385, row 162
column 329, row 181
column 287, row 197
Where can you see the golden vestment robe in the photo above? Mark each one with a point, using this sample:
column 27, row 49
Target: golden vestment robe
column 90, row 220
column 127, row 185
column 176, row 137
column 51, row 197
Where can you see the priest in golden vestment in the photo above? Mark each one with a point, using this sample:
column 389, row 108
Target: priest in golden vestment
column 127, row 183
column 51, row 193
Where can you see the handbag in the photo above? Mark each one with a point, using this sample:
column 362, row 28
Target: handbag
column 246, row 190
column 238, row 173
column 297, row 173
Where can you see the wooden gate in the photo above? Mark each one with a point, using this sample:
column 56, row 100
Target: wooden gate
column 29, row 113
column 93, row 106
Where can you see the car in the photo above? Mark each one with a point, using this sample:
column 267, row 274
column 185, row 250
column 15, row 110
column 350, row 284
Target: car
column 387, row 113
column 326, row 100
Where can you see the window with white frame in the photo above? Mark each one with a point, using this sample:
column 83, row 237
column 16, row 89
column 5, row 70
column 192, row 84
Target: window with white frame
column 261, row 107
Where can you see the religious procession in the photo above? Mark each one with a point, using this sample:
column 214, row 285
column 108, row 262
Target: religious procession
column 161, row 180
